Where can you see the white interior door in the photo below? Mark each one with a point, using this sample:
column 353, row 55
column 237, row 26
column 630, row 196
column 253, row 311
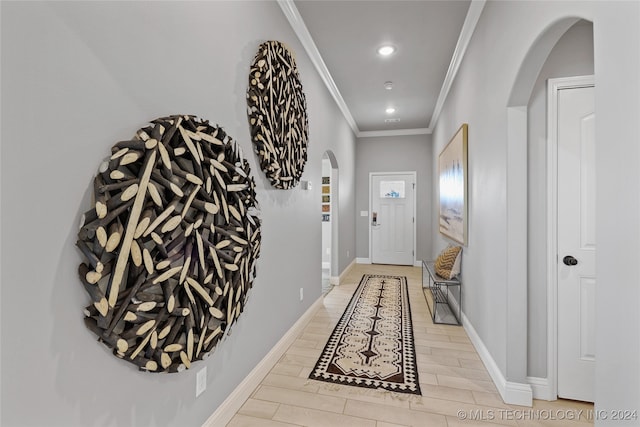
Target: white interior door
column 576, row 243
column 392, row 218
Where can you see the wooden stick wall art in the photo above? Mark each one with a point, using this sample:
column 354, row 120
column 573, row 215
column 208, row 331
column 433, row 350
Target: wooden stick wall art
column 277, row 112
column 170, row 244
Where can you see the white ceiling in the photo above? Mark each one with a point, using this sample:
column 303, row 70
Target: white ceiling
column 428, row 41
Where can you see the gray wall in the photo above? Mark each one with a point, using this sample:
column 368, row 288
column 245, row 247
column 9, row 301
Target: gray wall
column 391, row 154
column 572, row 56
column 76, row 78
column 480, row 94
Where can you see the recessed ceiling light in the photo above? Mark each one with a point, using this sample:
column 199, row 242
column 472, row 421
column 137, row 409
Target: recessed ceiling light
column 390, row 110
column 388, row 85
column 393, row 120
column 386, row 50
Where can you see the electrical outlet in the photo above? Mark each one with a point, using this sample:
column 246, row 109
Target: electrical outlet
column 201, row 381
column 301, row 294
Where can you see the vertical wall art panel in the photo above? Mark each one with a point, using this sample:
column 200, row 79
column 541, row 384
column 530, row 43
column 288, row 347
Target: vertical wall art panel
column 452, row 165
column 170, row 243
column 277, row 112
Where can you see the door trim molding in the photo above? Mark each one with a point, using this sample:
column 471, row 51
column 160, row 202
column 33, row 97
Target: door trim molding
column 415, row 204
column 554, row 86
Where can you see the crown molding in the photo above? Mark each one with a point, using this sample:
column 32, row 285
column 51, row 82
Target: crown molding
column 469, row 26
column 295, row 20
column 398, row 132
column 297, row 24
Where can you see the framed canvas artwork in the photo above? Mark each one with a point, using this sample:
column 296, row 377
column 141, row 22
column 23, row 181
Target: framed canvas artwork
column 452, row 166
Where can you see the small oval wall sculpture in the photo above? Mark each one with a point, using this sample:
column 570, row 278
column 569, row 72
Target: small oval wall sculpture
column 170, row 244
column 277, row 112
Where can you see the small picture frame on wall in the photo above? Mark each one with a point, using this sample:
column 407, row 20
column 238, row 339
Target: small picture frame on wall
column 326, row 208
column 326, row 199
column 326, row 189
column 452, row 166
column 326, row 180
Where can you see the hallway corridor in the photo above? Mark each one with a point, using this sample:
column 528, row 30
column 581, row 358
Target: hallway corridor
column 456, row 388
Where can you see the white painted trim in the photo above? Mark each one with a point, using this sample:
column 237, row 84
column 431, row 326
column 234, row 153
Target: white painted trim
column 552, row 239
column 553, row 87
column 399, row 132
column 470, row 22
column 236, row 399
column 511, row 392
column 297, row 23
column 299, row 27
column 335, row 217
column 417, row 263
column 455, row 305
column 326, row 265
column 336, row 280
column 415, row 204
column 363, row 260
column 518, row 394
column 540, row 388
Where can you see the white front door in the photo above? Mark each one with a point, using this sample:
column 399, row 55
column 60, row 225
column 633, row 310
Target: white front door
column 392, row 218
column 576, row 243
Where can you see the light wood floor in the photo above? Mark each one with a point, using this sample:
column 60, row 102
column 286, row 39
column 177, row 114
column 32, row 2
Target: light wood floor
column 456, row 388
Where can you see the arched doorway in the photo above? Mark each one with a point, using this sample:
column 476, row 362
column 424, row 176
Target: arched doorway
column 519, row 217
column 329, row 194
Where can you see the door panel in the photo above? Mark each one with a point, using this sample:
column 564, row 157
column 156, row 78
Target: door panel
column 402, row 235
column 576, row 238
column 392, row 231
column 587, row 319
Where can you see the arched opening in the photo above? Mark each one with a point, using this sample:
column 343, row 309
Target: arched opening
column 523, row 330
column 329, row 192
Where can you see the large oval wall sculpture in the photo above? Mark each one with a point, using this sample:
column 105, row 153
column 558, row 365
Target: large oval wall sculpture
column 170, row 244
column 277, row 112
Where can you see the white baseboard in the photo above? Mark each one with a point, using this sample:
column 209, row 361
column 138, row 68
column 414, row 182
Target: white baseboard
column 416, row 263
column 336, row 280
column 518, row 394
column 236, row 399
column 541, row 388
column 511, row 392
column 326, row 265
column 455, row 307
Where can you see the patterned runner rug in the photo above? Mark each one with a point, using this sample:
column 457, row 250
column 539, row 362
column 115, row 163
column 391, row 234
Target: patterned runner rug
column 372, row 344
